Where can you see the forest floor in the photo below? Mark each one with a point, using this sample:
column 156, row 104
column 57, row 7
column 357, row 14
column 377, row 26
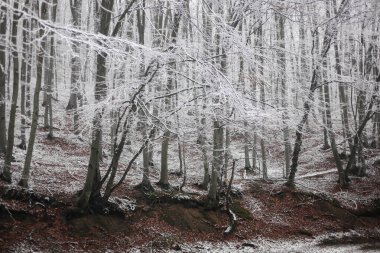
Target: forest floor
column 271, row 218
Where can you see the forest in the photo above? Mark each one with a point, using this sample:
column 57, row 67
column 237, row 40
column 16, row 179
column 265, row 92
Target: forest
column 190, row 126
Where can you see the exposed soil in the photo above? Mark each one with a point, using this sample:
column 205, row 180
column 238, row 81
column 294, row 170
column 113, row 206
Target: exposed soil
column 166, row 224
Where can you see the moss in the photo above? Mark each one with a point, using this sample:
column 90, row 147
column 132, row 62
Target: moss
column 240, row 211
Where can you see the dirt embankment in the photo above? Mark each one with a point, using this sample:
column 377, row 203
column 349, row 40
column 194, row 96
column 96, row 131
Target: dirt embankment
column 164, row 222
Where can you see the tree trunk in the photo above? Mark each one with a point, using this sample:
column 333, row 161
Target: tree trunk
column 254, row 151
column 377, row 122
column 338, row 162
column 146, row 184
column 118, row 149
column 28, row 111
column 322, row 99
column 164, row 174
column 6, row 174
column 247, row 164
column 284, row 93
column 322, row 104
column 50, row 76
column 329, row 125
column 206, row 170
column 217, row 163
column 202, row 140
column 24, row 181
column 328, row 39
column 91, row 188
column 25, row 76
column 227, row 154
column 148, row 149
column 264, row 157
column 3, row 129
column 343, row 100
column 358, row 135
column 254, row 98
column 361, row 104
column 75, row 66
column 92, row 177
column 362, row 95
column 262, row 140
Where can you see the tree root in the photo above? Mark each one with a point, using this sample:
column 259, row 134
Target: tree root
column 231, row 215
column 232, row 222
column 25, row 195
column 4, row 212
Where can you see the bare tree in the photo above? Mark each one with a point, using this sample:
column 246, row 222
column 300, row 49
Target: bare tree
column 93, row 184
column 6, row 174
column 75, row 6
column 26, row 67
column 164, row 174
column 3, row 79
column 24, row 181
column 329, row 36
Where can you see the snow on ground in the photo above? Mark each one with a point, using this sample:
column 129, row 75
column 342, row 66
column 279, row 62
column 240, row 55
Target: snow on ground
column 282, row 246
column 258, row 245
column 66, row 157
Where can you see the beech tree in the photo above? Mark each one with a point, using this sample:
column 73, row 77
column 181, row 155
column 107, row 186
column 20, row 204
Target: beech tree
column 24, row 181
column 3, row 74
column 229, row 80
column 6, row 174
column 26, row 69
column 91, row 187
column 164, row 175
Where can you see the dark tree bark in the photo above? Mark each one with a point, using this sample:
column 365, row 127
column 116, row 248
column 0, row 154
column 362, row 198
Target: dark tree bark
column 75, row 7
column 49, row 75
column 3, row 79
column 6, row 174
column 93, row 184
column 25, row 75
column 91, row 188
column 24, row 181
column 146, row 185
column 284, row 93
column 330, row 34
column 329, row 126
column 358, row 135
column 164, row 174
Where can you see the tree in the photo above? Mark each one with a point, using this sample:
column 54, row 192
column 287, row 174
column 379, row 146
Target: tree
column 164, row 174
column 26, row 67
column 147, row 159
column 329, row 36
column 218, row 126
column 262, row 101
column 91, row 190
column 49, row 75
column 6, row 174
column 24, row 181
column 329, row 127
column 284, row 90
column 3, row 31
column 75, row 7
